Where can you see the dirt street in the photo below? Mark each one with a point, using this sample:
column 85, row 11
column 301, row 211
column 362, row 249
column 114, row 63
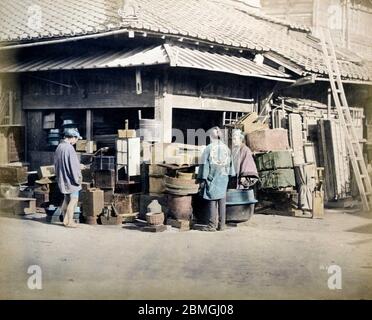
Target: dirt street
column 275, row 257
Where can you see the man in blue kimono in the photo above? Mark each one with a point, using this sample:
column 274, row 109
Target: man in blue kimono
column 68, row 172
column 214, row 171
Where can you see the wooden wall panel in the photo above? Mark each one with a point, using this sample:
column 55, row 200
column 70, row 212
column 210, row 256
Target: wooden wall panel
column 299, row 11
column 35, row 135
column 86, row 89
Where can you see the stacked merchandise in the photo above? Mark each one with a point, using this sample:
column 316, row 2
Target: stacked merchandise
column 273, row 159
column 11, row 179
column 276, row 170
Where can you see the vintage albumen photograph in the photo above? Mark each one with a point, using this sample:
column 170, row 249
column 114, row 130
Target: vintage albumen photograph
column 185, row 150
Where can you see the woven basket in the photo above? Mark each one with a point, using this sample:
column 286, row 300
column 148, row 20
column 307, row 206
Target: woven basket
column 155, row 219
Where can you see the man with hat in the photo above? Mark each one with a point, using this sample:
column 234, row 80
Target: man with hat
column 215, row 168
column 68, row 173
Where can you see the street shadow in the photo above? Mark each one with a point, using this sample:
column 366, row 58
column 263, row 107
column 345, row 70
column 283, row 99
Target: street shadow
column 366, row 229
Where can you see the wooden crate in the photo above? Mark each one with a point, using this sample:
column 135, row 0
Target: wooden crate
column 86, row 146
column 18, row 206
column 126, row 204
column 47, row 172
column 156, row 185
column 156, row 170
column 13, row 175
column 183, row 225
column 127, row 134
column 93, row 202
column 12, row 143
column 105, row 179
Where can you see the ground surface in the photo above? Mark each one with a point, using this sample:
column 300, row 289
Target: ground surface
column 274, row 257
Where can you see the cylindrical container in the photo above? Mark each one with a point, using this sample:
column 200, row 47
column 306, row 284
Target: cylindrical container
column 180, row 207
column 150, row 130
column 91, row 220
column 181, row 187
column 240, row 196
column 240, row 205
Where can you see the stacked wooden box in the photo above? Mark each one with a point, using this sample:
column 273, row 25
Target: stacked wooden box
column 10, row 202
column 156, row 178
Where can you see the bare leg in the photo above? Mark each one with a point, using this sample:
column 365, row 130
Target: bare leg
column 70, row 211
column 66, row 200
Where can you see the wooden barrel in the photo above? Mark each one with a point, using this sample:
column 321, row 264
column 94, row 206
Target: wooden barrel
column 180, row 207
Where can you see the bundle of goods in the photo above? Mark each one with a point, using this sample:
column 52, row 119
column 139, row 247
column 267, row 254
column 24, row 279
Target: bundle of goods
column 276, row 179
column 268, row 140
column 276, row 170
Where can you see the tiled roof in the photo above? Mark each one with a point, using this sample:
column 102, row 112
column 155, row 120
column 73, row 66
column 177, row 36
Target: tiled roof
column 212, row 21
column 189, row 57
column 174, row 55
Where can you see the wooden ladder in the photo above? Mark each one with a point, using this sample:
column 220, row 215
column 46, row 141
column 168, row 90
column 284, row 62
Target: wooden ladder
column 344, row 114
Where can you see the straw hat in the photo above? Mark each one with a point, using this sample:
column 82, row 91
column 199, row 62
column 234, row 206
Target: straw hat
column 44, row 181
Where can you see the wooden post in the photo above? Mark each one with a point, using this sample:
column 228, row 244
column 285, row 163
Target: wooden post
column 164, row 111
column 89, row 125
column 138, row 81
column 329, row 102
column 11, row 106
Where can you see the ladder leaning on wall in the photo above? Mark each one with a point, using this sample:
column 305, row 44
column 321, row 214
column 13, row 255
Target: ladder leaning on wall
column 356, row 155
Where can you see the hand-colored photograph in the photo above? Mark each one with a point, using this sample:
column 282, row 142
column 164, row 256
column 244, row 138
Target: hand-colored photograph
column 185, row 150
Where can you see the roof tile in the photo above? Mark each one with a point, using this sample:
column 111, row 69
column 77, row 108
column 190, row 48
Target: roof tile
column 214, row 21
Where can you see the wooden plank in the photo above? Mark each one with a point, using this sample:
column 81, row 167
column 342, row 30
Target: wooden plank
column 296, row 141
column 96, row 101
column 197, row 103
column 318, row 205
column 155, row 229
column 89, row 124
column 183, row 225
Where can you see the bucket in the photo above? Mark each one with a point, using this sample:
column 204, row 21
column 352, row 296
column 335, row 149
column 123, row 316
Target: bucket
column 240, row 205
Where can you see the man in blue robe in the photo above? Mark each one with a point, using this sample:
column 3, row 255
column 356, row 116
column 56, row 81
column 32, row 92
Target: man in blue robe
column 214, row 171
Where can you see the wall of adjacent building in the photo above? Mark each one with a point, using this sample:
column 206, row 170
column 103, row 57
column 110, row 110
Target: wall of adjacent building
column 349, row 20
